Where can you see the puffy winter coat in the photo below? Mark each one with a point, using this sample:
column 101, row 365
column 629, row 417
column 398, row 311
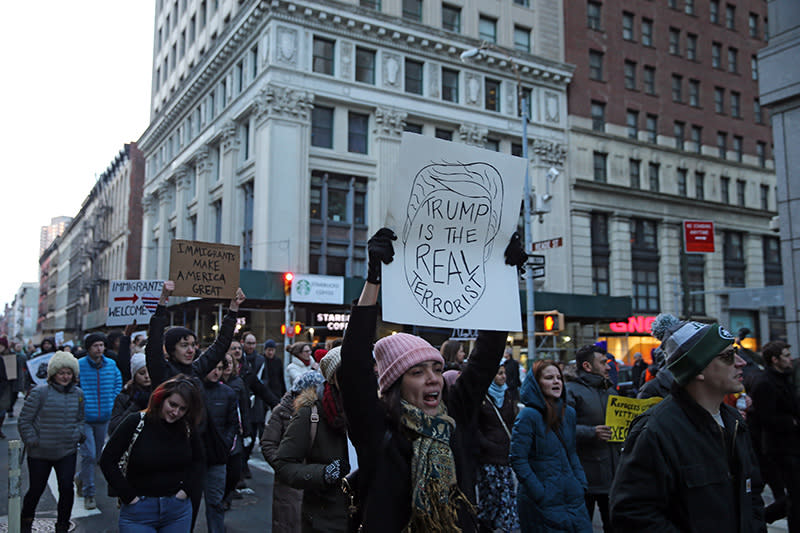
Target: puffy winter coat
column 100, row 382
column 301, row 464
column 551, row 480
column 588, row 395
column 295, row 369
column 51, row 421
column 220, row 403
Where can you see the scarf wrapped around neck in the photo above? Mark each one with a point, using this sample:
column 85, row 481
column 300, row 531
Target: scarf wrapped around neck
column 498, row 393
column 435, row 497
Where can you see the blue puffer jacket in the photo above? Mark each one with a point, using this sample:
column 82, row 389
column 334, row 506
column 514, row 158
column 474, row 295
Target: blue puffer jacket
column 551, row 479
column 100, row 384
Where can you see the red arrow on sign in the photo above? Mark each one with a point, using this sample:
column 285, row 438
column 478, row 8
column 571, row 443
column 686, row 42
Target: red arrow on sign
column 131, row 299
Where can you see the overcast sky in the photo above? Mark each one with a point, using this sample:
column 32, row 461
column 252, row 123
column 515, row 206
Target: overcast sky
column 76, row 89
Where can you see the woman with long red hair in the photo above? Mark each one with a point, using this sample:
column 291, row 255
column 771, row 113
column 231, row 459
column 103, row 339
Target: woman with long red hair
column 551, row 478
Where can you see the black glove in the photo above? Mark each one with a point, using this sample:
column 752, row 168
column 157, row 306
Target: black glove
column 515, row 253
column 380, row 249
column 333, row 472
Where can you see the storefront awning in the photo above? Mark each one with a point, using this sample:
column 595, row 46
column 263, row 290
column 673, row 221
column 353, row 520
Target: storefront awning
column 582, row 307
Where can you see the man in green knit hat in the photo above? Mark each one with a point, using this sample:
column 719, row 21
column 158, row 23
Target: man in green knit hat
column 688, row 463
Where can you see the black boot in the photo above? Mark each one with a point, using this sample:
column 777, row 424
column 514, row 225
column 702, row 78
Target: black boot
column 62, row 528
column 26, row 525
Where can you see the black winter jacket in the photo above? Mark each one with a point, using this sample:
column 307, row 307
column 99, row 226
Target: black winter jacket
column 220, row 403
column 661, row 385
column 680, row 472
column 384, row 450
column 243, row 408
column 776, row 412
column 131, row 399
column 493, row 440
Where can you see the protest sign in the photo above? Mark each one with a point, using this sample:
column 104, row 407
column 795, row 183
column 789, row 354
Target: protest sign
column 454, row 209
column 204, row 269
column 620, row 412
column 130, row 300
column 10, row 361
column 37, row 368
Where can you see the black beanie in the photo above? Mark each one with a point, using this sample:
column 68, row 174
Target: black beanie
column 174, row 335
column 92, row 338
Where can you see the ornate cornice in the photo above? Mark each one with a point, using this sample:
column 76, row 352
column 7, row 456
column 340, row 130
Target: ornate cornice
column 283, row 102
column 150, row 204
column 473, row 134
column 230, row 139
column 201, row 160
column 549, row 152
column 389, row 122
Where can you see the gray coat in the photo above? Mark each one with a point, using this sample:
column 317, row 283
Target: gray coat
column 51, row 421
column 588, row 395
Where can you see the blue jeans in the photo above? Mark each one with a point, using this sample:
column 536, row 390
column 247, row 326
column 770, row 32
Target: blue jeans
column 214, row 489
column 90, row 451
column 167, row 514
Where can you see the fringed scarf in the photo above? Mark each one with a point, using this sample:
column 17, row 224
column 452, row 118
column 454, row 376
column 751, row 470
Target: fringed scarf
column 435, row 497
column 333, row 408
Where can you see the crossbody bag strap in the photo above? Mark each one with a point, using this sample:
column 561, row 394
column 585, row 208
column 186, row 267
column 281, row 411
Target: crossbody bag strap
column 123, row 462
column 314, row 423
column 497, row 411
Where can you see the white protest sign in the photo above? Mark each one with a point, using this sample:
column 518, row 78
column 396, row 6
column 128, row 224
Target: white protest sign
column 130, row 300
column 454, row 209
column 37, row 368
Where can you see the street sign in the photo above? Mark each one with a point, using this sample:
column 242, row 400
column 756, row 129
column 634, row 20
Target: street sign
column 549, row 244
column 698, row 236
column 536, row 260
column 538, row 272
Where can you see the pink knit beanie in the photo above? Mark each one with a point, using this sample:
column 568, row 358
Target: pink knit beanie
column 397, row 353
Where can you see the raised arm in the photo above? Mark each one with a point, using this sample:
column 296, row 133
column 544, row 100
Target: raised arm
column 207, row 360
column 154, row 349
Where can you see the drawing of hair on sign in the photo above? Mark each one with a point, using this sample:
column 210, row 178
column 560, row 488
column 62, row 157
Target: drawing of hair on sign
column 452, row 219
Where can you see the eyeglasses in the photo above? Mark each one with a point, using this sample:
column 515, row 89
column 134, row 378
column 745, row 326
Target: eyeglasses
column 729, row 356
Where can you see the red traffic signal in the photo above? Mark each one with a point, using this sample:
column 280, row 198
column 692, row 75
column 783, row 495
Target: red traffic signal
column 295, row 328
column 548, row 322
column 287, row 282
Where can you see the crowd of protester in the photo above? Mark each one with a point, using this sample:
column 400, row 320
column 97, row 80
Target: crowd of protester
column 394, row 435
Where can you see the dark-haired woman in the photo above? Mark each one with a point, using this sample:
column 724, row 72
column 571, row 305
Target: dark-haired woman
column 453, row 354
column 134, row 396
column 163, row 463
column 551, row 479
column 415, row 455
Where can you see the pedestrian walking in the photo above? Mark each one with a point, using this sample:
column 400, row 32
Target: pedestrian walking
column 497, row 495
column 6, row 387
column 155, row 457
column 301, row 362
column 51, row 426
column 286, row 501
column 543, row 455
column 688, row 463
column 415, row 455
column 134, row 396
column 313, row 455
column 233, row 468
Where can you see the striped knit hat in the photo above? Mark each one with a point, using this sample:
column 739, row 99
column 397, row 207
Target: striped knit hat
column 397, row 353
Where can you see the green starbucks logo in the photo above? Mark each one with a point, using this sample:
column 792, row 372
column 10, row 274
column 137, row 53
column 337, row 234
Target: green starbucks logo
column 303, row 287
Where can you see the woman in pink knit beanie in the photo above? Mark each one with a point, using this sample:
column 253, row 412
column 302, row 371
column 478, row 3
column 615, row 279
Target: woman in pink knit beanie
column 414, row 436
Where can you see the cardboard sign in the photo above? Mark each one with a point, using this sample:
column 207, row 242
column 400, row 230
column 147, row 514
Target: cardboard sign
column 620, row 412
column 130, row 300
column 454, row 209
column 698, row 236
column 204, row 269
column 10, row 361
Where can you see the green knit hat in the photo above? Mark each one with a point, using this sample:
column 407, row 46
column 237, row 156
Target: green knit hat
column 689, row 346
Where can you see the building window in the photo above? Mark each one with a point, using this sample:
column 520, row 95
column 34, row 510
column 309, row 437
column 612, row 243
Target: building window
column 714, row 11
column 413, row 79
column 522, row 39
column 719, row 100
column 632, row 120
column 736, row 104
column 338, row 231
column 733, row 60
column 487, row 29
column 372, row 4
column 527, row 94
column 681, row 174
column 754, row 68
column 651, row 127
column 694, row 93
column 761, row 153
column 491, row 94
column 733, row 258
column 653, row 178
column 695, row 282
column 647, row 32
column 722, row 144
column 193, row 227
column 253, row 62
column 764, row 189
column 679, row 132
column 688, row 7
column 730, row 16
column 716, row 55
column 649, row 77
column 677, row 88
column 697, row 139
column 523, row 3
column 492, row 144
column 516, row 149
column 323, row 56
column 449, row 85
column 758, row 115
column 357, row 136
column 691, row 47
column 644, row 263
column 245, row 143
column 700, row 185
column 672, row 4
column 594, row 15
column 725, row 190
column 674, row 41
column 413, row 128
column 365, row 65
column 444, row 134
column 412, row 10
column 753, row 25
column 247, row 229
column 322, row 126
column 601, row 252
column 596, row 65
column 630, row 75
column 451, row 18
column 773, row 270
column 599, row 160
column 741, row 186
column 216, row 208
column 627, row 26
column 635, row 173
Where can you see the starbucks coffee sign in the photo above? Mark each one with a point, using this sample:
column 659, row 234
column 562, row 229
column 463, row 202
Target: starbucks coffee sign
column 312, row 288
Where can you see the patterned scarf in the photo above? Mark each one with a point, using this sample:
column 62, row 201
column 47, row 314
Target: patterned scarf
column 435, row 497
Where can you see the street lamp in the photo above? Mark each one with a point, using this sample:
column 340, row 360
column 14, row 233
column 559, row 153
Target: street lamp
column 523, row 106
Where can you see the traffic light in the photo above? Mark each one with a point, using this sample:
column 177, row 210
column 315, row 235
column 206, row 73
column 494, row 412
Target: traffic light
column 295, row 328
column 548, row 322
column 287, row 283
